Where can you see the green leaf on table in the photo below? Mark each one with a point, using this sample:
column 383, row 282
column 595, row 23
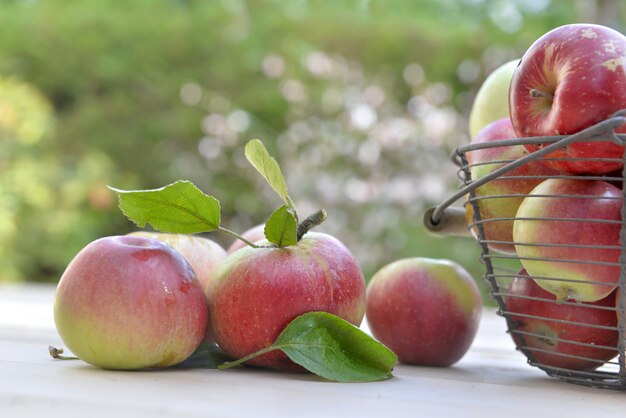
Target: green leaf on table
column 179, row 208
column 281, row 228
column 266, row 165
column 332, row 348
column 206, row 356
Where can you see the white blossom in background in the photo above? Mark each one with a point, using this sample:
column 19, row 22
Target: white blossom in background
column 349, row 146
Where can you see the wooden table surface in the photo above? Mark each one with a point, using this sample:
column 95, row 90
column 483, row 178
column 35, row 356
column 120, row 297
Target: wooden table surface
column 492, row 380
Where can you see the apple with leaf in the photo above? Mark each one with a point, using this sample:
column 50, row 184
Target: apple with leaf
column 286, row 302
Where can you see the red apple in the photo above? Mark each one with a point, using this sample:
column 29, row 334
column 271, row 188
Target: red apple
column 573, row 336
column 495, row 208
column 557, row 231
column 254, row 234
column 203, row 254
column 256, row 292
column 569, row 79
column 427, row 311
column 130, row 303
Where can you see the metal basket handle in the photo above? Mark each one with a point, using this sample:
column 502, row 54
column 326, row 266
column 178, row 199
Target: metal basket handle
column 448, row 220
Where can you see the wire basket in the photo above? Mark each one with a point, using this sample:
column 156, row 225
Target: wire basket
column 575, row 341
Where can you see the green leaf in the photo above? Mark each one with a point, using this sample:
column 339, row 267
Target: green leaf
column 281, row 228
column 179, row 208
column 206, row 356
column 332, row 348
column 262, row 161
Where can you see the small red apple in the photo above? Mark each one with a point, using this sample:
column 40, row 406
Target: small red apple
column 254, row 234
column 427, row 311
column 130, row 303
column 573, row 336
column 499, row 199
column 569, row 79
column 567, row 235
column 256, row 292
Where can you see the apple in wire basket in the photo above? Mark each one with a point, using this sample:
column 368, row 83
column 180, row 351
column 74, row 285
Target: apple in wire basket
column 568, row 335
column 492, row 99
column 499, row 199
column 567, row 236
column 569, row 79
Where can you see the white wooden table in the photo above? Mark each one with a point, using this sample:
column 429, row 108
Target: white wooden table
column 491, row 380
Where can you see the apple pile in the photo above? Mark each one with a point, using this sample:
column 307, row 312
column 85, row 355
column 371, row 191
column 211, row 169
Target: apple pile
column 289, row 298
column 559, row 214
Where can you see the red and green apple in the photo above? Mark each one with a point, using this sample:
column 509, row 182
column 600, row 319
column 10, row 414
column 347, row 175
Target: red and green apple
column 130, row 303
column 567, row 236
column 427, row 311
column 256, row 292
column 499, row 199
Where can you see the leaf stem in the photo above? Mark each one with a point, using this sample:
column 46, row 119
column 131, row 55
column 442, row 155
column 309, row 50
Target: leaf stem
column 292, row 206
column 236, row 235
column 242, row 360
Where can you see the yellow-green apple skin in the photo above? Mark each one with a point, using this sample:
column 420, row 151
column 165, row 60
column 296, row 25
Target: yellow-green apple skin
column 558, row 228
column 426, row 310
column 203, row 254
column 130, row 303
column 492, row 100
column 499, row 199
column 257, row 292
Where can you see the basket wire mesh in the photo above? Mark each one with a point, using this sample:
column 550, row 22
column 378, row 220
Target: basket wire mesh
column 606, row 367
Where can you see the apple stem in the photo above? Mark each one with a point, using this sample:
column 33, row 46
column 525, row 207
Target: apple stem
column 56, row 353
column 311, row 222
column 236, row 235
column 540, row 94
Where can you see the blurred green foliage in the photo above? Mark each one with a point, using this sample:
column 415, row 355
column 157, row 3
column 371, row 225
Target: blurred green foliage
column 361, row 102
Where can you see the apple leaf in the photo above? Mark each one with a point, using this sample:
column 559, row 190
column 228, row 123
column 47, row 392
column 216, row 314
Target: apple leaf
column 206, row 356
column 179, row 208
column 281, row 228
column 331, row 348
column 262, row 161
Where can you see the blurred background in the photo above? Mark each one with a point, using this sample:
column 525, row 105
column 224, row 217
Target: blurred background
column 361, row 102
